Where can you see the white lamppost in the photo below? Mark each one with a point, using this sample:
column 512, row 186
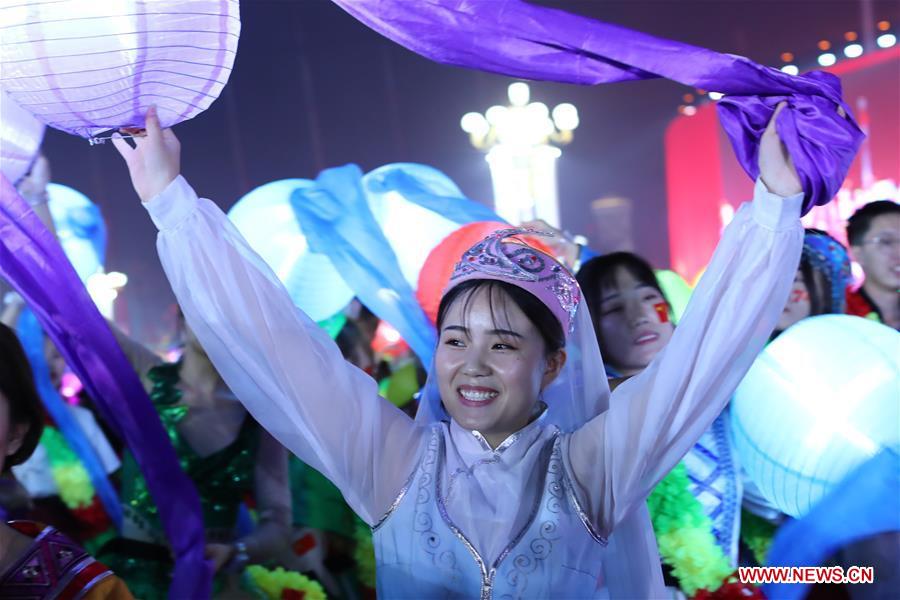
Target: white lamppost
column 517, row 139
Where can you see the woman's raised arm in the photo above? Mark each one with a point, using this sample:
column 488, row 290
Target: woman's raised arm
column 280, row 364
column 655, row 417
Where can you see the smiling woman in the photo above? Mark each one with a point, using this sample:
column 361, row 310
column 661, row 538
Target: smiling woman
column 520, row 475
column 499, row 348
column 631, row 313
column 695, row 507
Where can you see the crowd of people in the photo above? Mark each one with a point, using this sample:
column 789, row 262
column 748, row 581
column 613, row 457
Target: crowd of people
column 567, row 415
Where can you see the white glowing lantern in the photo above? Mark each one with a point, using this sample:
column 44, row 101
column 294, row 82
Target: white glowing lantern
column 88, row 66
column 265, row 218
column 820, row 400
column 20, row 138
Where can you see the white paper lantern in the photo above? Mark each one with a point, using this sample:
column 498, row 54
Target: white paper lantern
column 20, row 139
column 265, row 218
column 79, row 227
column 412, row 231
column 821, row 399
column 87, row 66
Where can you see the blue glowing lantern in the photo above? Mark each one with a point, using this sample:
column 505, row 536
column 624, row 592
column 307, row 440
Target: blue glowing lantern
column 79, row 227
column 820, row 400
column 265, row 218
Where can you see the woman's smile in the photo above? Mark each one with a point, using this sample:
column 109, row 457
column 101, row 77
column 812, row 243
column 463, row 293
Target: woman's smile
column 475, row 396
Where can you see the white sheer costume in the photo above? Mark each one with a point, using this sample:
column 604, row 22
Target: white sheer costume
column 293, row 380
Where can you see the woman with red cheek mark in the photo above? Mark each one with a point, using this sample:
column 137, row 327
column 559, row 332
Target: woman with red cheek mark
column 631, row 320
column 631, row 317
column 629, row 310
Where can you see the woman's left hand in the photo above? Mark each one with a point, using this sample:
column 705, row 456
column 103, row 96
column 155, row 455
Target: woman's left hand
column 776, row 167
column 155, row 159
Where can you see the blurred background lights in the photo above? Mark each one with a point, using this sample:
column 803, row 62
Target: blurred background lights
column 853, row 50
column 886, row 40
column 475, row 124
column 565, row 116
column 827, row 59
column 519, row 93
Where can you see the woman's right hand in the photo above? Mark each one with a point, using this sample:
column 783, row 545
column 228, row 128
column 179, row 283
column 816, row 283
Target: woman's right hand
column 155, row 159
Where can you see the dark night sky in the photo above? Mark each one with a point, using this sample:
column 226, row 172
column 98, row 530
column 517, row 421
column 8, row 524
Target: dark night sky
column 313, row 88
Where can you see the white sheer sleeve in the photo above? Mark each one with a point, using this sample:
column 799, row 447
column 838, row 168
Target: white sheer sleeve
column 655, row 417
column 280, row 364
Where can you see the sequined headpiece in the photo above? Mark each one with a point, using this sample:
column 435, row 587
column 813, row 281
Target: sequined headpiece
column 830, row 258
column 523, row 266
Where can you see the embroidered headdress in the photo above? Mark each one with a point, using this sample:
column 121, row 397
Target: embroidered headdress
column 500, row 257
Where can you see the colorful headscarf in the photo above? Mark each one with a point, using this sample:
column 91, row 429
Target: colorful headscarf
column 827, row 256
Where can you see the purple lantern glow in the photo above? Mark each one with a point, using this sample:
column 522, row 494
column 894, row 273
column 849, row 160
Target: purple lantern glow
column 85, row 67
column 20, row 138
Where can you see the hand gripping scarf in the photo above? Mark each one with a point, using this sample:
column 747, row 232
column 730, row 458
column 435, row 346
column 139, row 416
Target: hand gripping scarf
column 514, row 38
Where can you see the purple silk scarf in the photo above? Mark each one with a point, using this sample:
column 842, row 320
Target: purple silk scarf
column 514, row 38
column 33, row 262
